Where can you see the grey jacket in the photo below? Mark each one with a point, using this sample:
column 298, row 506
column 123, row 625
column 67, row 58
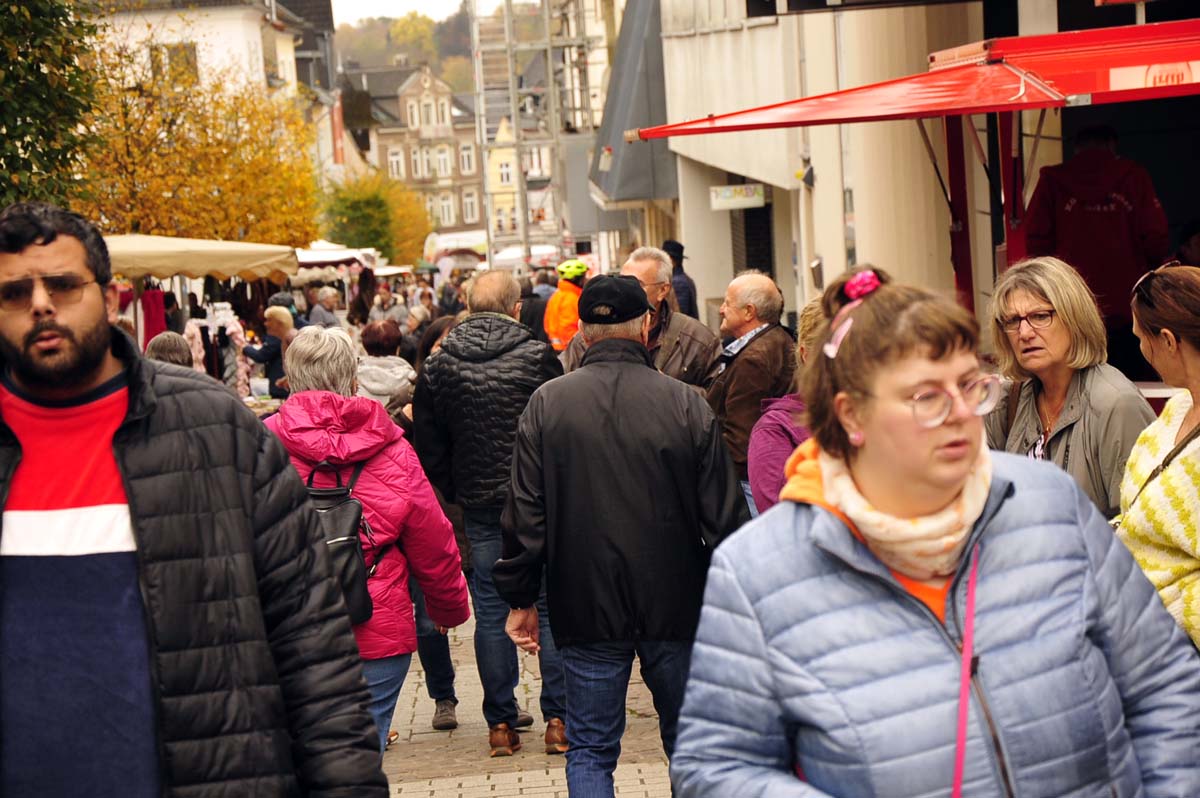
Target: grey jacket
column 811, row 656
column 1093, row 436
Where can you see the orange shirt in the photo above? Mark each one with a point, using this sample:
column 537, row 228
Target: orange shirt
column 562, row 315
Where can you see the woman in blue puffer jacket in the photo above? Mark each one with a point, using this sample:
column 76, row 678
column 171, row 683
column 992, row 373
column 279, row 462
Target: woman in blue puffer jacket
column 920, row 617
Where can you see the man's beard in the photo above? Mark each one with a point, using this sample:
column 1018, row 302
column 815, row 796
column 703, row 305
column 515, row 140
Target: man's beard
column 77, row 359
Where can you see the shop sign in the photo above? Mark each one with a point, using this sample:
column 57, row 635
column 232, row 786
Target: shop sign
column 728, row 198
column 1153, row 76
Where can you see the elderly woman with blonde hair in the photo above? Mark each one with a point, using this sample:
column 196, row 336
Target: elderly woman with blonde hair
column 1064, row 404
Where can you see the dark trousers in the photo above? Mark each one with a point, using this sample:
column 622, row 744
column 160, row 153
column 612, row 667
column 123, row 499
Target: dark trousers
column 433, row 649
column 597, row 682
column 495, row 653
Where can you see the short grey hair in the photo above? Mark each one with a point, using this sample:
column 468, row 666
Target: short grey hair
column 767, row 302
column 322, row 359
column 494, row 291
column 326, row 292
column 665, row 267
column 420, row 313
column 630, row 330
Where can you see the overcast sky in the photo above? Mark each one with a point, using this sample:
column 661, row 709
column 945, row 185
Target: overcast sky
column 354, row 10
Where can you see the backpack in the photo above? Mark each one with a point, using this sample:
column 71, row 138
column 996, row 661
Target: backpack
column 342, row 521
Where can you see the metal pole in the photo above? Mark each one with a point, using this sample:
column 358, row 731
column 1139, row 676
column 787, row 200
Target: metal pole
column 514, row 104
column 481, row 127
column 554, row 120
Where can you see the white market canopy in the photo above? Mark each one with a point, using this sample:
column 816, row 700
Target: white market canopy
column 164, row 257
column 327, row 253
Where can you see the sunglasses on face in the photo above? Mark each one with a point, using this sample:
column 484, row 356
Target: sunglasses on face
column 64, row 289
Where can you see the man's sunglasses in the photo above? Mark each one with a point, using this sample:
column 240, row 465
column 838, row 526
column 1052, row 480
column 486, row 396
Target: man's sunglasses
column 64, row 289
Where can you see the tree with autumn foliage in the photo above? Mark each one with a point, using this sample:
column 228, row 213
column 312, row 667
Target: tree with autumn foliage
column 374, row 211
column 215, row 157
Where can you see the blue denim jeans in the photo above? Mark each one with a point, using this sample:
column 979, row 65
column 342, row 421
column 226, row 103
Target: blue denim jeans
column 384, row 678
column 597, row 681
column 433, row 648
column 495, row 653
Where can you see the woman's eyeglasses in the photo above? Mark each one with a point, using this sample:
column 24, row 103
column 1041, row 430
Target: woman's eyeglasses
column 64, row 289
column 932, row 407
column 1038, row 320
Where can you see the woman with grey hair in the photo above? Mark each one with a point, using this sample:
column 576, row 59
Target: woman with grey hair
column 1065, row 404
column 331, row 433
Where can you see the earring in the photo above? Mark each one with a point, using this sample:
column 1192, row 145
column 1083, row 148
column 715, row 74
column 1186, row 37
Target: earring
column 856, row 438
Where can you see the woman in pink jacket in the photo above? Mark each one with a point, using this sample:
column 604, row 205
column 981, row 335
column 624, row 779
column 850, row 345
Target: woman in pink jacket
column 324, row 420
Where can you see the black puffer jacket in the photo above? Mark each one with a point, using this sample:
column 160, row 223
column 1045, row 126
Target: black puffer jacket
column 257, row 680
column 469, row 396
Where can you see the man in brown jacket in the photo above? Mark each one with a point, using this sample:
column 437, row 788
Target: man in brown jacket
column 680, row 346
column 758, row 364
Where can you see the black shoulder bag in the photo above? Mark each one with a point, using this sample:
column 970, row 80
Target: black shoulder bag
column 342, row 521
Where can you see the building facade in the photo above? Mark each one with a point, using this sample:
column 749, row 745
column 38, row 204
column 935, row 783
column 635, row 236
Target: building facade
column 423, row 135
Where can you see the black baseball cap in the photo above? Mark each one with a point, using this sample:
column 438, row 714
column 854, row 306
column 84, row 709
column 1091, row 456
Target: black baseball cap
column 612, row 299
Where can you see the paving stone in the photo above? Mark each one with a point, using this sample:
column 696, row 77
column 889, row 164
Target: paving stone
column 455, row 764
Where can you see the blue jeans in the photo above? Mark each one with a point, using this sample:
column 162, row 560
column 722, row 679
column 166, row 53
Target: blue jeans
column 384, row 678
column 495, row 653
column 597, row 681
column 433, row 648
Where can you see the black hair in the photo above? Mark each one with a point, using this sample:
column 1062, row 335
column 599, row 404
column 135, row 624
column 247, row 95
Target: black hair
column 1096, row 136
column 25, row 224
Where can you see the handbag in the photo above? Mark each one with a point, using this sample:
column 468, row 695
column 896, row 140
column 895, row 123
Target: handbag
column 344, row 525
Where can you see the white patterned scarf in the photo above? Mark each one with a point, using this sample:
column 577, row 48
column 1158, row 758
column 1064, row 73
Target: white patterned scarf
column 921, row 548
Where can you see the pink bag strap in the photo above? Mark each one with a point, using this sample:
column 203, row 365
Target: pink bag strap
column 964, row 683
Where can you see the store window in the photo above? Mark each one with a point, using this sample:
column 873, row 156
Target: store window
column 466, row 159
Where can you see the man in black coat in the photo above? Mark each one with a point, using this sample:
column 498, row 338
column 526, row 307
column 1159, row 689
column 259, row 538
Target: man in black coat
column 621, row 488
column 469, row 396
column 164, row 577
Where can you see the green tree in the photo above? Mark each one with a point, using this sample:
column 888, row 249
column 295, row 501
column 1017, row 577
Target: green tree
column 412, row 35
column 459, row 72
column 46, row 90
column 373, row 211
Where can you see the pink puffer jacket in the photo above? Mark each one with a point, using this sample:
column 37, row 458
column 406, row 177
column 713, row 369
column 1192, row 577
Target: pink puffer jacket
column 398, row 503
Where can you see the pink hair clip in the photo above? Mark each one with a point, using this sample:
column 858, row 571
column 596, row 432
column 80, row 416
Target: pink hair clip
column 861, row 284
column 840, row 326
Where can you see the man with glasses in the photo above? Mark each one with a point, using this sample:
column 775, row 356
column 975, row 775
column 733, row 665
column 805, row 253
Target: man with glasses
column 164, row 577
column 680, row 346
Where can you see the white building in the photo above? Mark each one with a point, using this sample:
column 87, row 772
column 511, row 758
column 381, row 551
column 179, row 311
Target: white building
column 874, row 196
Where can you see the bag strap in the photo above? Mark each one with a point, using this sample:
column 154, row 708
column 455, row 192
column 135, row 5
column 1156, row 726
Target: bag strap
column 326, row 466
column 967, row 671
column 1171, row 455
column 1011, row 402
column 354, row 475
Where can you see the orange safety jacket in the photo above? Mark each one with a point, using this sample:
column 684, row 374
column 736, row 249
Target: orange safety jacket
column 562, row 315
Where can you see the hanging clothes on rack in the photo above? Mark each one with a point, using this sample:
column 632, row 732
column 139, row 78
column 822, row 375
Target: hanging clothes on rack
column 154, row 314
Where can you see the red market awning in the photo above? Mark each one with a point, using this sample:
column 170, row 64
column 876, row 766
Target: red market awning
column 1093, row 67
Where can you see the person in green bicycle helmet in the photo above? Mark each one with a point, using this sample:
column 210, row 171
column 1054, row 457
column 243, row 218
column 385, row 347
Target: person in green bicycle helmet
column 562, row 311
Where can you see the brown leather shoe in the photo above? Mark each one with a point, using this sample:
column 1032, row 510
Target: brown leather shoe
column 503, row 740
column 556, row 736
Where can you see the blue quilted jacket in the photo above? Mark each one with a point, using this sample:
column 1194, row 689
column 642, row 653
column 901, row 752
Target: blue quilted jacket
column 811, row 656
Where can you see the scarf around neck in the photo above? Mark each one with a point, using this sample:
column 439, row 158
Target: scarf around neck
column 921, row 548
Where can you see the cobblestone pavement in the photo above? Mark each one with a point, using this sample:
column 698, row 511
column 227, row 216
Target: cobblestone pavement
column 424, row 762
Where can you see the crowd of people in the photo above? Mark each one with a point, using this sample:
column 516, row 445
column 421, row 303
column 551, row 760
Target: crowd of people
column 858, row 560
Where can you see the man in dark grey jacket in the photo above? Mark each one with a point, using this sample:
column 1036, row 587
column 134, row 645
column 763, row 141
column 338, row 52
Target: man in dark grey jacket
column 621, row 488
column 468, row 398
column 164, row 576
column 680, row 346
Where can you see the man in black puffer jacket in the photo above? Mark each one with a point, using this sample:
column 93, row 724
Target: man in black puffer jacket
column 164, row 579
column 468, row 399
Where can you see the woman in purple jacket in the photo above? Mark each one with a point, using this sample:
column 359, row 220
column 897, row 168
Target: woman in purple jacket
column 779, row 430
